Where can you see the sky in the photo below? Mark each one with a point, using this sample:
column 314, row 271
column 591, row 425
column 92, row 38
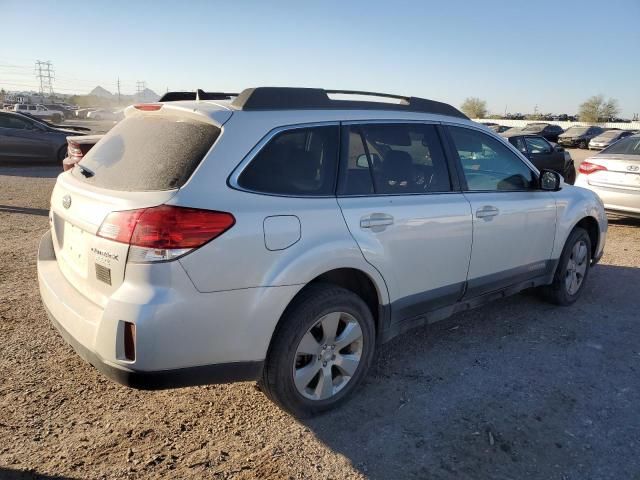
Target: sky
column 515, row 55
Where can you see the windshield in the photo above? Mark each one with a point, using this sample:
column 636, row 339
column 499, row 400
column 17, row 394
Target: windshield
column 576, row 131
column 147, row 153
column 534, row 128
column 626, row 146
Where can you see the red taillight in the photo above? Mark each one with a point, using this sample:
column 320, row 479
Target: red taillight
column 588, row 168
column 148, row 107
column 165, row 227
column 74, row 150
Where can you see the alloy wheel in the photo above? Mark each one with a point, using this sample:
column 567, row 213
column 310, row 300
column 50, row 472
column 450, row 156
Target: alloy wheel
column 576, row 267
column 328, row 356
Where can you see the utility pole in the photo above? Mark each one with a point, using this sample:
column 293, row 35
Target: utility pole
column 45, row 75
column 118, row 90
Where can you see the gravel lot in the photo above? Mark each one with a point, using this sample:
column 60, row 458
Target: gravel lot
column 515, row 389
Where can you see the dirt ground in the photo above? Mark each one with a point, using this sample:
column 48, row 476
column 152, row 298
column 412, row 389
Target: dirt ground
column 516, row 389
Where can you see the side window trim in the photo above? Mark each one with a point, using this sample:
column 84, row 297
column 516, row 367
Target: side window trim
column 450, row 164
column 232, row 179
column 458, row 162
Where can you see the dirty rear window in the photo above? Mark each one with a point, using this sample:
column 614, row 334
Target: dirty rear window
column 145, row 153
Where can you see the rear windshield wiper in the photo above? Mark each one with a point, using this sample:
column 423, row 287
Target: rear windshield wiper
column 85, row 171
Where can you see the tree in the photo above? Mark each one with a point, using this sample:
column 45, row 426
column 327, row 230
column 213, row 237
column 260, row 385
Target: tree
column 473, row 107
column 598, row 109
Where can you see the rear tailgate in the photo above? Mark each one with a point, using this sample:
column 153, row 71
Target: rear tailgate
column 142, row 162
column 95, row 266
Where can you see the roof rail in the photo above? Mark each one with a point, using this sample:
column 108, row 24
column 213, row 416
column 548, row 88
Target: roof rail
column 197, row 95
column 288, row 98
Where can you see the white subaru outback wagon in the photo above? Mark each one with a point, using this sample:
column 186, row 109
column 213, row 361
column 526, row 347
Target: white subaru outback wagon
column 280, row 234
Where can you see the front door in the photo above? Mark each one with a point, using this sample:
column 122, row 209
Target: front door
column 513, row 222
column 396, row 195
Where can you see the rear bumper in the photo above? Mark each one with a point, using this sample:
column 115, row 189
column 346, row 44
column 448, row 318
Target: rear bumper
column 176, row 378
column 183, row 337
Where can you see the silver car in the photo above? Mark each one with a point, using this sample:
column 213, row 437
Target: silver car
column 608, row 138
column 281, row 234
column 614, row 174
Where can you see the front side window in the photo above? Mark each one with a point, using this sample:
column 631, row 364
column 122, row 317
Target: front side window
column 538, row 145
column 9, row 121
column 393, row 159
column 296, row 162
column 489, row 165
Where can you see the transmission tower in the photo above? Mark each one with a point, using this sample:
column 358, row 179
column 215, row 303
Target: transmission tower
column 45, row 75
column 140, row 86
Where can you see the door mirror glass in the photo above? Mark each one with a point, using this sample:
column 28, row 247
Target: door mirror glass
column 550, row 180
column 361, row 161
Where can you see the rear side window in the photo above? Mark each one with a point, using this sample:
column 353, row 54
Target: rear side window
column 393, row 159
column 146, row 153
column 296, row 162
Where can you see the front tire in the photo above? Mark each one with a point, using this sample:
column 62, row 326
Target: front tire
column 572, row 270
column 321, row 351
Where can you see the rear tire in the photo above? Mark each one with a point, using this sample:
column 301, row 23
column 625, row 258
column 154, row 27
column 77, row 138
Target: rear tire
column 570, row 175
column 320, row 352
column 572, row 270
column 583, row 144
column 62, row 153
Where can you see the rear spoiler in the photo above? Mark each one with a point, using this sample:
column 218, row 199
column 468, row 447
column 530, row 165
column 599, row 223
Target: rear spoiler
column 197, row 95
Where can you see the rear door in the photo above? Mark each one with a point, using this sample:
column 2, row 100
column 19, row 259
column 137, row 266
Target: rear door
column 513, row 222
column 406, row 215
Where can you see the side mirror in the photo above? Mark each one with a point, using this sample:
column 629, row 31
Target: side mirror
column 362, row 162
column 550, row 180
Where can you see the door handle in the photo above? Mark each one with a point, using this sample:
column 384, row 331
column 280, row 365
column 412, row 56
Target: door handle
column 376, row 220
column 487, row 211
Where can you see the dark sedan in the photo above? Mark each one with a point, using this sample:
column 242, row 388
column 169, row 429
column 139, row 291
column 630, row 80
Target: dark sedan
column 544, row 154
column 578, row 136
column 546, row 130
column 26, row 140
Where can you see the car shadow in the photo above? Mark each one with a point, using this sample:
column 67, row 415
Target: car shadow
column 25, row 210
column 33, row 171
column 9, row 474
column 625, row 221
column 517, row 388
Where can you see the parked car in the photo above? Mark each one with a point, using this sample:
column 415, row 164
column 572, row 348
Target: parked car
column 77, row 148
column 614, row 174
column 83, row 112
column 104, row 114
column 544, row 154
column 66, row 113
column 52, row 125
column 578, row 136
column 285, row 246
column 39, row 111
column 608, row 138
column 546, row 130
column 494, row 127
column 26, row 140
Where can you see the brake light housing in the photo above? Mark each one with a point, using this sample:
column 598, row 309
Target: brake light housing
column 588, row 168
column 148, row 107
column 165, row 232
